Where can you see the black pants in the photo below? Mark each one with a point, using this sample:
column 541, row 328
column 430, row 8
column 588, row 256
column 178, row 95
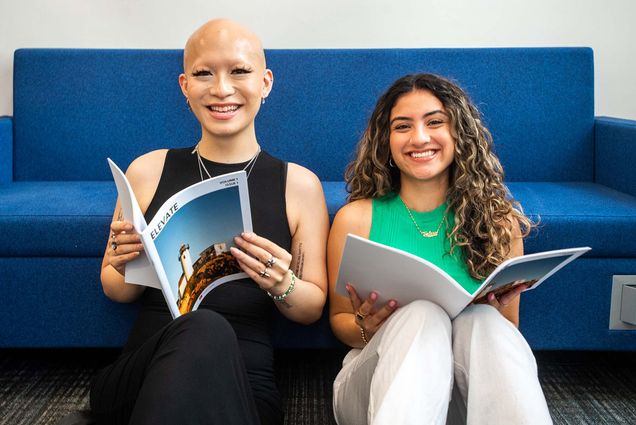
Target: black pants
column 191, row 372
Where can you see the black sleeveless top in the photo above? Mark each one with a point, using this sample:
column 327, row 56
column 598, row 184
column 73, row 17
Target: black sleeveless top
column 246, row 307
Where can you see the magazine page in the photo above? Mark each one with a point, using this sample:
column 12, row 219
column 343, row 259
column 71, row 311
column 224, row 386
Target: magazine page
column 393, row 273
column 531, row 269
column 138, row 271
column 189, row 238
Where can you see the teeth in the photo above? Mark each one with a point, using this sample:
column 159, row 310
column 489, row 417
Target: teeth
column 425, row 154
column 231, row 108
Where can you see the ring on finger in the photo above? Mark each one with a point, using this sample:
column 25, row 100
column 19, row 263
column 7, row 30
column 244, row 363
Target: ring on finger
column 359, row 316
column 113, row 246
column 264, row 273
column 269, row 263
column 112, row 235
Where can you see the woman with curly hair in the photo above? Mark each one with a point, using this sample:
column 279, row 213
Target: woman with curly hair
column 425, row 180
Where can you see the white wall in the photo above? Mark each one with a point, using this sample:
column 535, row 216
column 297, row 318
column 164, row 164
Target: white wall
column 606, row 26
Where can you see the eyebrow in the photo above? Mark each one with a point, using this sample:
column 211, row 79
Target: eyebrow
column 437, row 111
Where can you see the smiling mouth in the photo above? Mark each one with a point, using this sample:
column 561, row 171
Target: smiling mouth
column 424, row 154
column 224, row 109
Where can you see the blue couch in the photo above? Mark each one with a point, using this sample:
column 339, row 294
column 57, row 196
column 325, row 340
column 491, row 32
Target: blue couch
column 74, row 107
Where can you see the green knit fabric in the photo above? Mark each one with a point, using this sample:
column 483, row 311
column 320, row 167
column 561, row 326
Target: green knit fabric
column 391, row 225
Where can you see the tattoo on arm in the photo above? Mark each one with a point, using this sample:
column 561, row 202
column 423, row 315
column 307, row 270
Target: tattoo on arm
column 286, row 304
column 120, row 215
column 300, row 263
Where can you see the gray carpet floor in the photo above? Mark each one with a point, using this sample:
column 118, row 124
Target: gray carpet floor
column 43, row 386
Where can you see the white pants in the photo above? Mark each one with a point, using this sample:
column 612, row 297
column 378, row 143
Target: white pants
column 405, row 374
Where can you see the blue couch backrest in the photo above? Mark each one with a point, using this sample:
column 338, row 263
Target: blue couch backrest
column 75, row 107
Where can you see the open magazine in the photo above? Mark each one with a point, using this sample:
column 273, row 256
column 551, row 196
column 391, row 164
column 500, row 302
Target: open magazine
column 396, row 274
column 186, row 244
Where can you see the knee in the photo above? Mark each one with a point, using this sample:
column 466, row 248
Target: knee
column 419, row 317
column 422, row 309
column 203, row 330
column 478, row 315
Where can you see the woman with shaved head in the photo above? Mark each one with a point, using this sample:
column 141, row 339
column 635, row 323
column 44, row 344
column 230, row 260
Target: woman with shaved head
column 215, row 365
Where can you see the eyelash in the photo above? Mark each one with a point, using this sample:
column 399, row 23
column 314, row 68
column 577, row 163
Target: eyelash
column 242, row 70
column 432, row 123
column 235, row 71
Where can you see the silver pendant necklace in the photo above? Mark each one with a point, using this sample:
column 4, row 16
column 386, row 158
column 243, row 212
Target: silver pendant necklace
column 202, row 168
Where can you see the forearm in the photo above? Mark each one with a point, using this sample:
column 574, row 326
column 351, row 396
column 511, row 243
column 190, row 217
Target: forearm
column 304, row 304
column 115, row 287
column 347, row 330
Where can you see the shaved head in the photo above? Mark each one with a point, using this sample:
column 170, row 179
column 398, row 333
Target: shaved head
column 223, row 33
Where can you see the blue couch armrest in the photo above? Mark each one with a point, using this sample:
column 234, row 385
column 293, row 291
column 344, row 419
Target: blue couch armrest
column 6, row 150
column 615, row 156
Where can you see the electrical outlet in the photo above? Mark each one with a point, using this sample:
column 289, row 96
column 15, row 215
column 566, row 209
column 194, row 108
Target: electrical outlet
column 623, row 307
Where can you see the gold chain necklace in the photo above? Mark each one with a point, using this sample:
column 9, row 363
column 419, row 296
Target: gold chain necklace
column 427, row 233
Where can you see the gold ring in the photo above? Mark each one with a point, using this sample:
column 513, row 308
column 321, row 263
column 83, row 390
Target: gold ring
column 360, row 316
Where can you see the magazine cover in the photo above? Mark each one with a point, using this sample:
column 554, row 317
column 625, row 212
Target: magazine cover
column 187, row 242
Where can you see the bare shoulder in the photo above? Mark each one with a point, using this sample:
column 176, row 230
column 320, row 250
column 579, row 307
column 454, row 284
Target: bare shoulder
column 355, row 217
column 144, row 174
column 147, row 165
column 301, row 179
column 306, row 206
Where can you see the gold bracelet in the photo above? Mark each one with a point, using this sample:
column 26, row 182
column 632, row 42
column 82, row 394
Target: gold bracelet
column 363, row 335
column 281, row 297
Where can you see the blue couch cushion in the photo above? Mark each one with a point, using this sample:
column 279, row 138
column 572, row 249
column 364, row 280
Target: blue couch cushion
column 55, row 219
column 68, row 219
column 75, row 107
column 583, row 214
column 58, row 302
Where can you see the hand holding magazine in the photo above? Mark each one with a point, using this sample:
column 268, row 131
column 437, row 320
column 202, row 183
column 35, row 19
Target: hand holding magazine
column 187, row 242
column 393, row 273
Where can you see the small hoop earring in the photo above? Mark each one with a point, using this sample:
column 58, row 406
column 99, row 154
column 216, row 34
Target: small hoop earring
column 391, row 164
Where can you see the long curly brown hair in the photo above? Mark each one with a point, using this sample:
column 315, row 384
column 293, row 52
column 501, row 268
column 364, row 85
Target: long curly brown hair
column 484, row 208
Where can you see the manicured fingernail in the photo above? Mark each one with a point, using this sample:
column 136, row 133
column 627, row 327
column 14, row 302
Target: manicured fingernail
column 392, row 303
column 348, row 287
column 373, row 296
column 247, row 235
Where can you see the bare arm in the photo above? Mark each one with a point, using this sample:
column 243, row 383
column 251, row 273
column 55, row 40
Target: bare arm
column 309, row 226
column 508, row 303
column 353, row 218
column 143, row 175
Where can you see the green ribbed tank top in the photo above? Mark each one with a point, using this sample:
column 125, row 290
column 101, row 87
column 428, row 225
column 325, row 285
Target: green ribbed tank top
column 391, row 225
